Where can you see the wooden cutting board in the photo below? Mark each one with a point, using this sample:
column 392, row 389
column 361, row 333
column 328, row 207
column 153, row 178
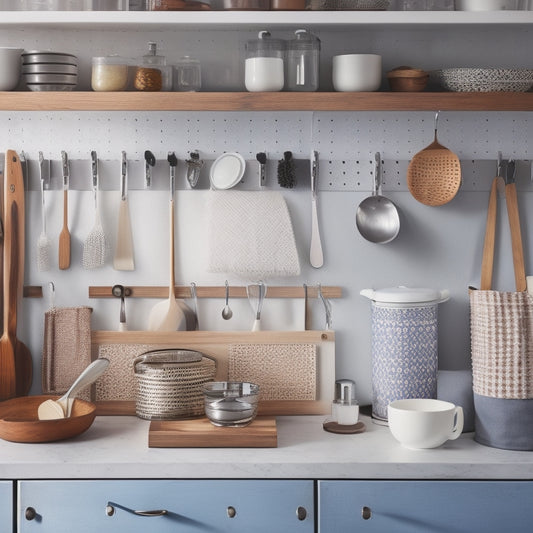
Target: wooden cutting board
column 200, row 433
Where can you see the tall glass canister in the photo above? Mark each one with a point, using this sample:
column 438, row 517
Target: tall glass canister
column 303, row 60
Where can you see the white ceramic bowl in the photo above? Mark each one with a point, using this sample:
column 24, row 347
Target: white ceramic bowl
column 356, row 72
column 420, row 423
column 9, row 68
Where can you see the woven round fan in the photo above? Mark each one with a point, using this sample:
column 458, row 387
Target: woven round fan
column 434, row 174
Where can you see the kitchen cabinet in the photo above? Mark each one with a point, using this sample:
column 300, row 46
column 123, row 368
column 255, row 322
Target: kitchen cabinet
column 6, row 506
column 166, row 505
column 422, row 506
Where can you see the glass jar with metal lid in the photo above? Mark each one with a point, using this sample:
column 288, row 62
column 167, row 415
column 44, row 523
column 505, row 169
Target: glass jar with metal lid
column 303, row 58
column 264, row 67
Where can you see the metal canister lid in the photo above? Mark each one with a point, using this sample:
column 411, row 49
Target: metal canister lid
column 407, row 295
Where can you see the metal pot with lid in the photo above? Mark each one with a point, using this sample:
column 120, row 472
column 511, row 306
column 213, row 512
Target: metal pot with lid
column 404, row 344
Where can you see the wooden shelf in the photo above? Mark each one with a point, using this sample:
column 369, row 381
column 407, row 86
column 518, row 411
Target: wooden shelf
column 282, row 101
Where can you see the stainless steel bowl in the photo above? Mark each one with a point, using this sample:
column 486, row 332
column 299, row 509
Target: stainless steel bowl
column 231, row 403
column 45, row 56
column 49, row 68
column 67, row 79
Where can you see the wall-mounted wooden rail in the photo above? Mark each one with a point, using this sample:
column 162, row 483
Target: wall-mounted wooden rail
column 217, row 292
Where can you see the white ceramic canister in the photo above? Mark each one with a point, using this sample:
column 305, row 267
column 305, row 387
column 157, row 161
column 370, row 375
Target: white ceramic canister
column 404, row 344
column 264, row 66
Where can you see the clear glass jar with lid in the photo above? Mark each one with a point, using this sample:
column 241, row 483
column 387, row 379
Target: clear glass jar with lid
column 303, row 62
column 153, row 74
column 264, row 66
column 109, row 73
column 187, row 75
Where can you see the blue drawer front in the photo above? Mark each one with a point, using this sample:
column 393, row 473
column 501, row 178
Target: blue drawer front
column 425, row 506
column 6, row 506
column 192, row 506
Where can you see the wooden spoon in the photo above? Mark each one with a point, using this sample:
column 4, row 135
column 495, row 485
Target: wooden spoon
column 168, row 315
column 61, row 408
column 64, row 236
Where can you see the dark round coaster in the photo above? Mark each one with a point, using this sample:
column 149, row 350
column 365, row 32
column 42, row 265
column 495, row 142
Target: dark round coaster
column 334, row 427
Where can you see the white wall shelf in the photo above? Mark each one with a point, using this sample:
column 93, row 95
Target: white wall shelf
column 246, row 20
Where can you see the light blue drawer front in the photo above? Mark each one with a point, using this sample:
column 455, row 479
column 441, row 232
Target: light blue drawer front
column 6, row 506
column 197, row 506
column 425, row 506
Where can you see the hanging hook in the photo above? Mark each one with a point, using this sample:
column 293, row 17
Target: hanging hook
column 437, row 113
column 377, row 174
column 52, row 290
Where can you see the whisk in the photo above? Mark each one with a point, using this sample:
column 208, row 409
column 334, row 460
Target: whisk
column 94, row 247
column 43, row 242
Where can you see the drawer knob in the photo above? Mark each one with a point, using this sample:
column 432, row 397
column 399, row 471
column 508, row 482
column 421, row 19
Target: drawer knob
column 366, row 513
column 30, row 513
column 231, row 511
column 301, row 513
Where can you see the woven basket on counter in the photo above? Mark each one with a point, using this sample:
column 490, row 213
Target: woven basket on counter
column 170, row 383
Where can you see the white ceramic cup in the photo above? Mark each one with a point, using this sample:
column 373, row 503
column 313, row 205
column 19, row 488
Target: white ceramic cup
column 356, row 72
column 10, row 68
column 424, row 423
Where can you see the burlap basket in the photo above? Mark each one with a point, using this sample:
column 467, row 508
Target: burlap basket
column 501, row 327
column 170, row 383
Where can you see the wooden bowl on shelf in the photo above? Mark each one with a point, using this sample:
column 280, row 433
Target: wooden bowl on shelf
column 19, row 421
column 407, row 79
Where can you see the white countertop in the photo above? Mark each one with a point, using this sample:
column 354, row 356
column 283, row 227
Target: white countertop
column 117, row 447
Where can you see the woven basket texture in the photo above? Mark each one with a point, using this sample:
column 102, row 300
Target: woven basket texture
column 501, row 325
column 169, row 390
column 434, row 176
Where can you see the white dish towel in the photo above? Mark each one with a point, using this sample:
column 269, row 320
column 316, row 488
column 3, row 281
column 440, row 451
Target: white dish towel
column 250, row 234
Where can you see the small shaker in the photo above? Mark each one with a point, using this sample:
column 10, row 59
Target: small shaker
column 345, row 409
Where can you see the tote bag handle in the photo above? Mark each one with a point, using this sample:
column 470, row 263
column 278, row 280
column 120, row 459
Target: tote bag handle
column 487, row 262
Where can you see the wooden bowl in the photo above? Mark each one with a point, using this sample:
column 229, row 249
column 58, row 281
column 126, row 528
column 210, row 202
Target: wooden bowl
column 407, row 79
column 19, row 421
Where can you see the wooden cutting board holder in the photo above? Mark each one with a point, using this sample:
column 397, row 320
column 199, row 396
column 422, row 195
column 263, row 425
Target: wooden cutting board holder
column 216, row 345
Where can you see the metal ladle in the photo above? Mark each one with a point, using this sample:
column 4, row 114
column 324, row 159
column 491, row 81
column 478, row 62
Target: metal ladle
column 227, row 313
column 377, row 218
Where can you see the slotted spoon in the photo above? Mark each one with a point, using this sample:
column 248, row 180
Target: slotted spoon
column 434, row 173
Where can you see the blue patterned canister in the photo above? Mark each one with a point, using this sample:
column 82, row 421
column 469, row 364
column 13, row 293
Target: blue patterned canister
column 404, row 345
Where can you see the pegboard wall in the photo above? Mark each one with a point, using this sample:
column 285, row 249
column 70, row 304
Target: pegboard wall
column 346, row 142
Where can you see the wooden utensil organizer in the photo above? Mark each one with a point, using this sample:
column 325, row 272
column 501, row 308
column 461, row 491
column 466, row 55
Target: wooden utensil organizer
column 114, row 393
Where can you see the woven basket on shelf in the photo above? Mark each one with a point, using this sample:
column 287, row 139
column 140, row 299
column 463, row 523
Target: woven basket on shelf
column 170, row 383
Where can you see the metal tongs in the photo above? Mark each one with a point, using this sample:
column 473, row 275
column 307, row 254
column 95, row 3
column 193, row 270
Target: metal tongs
column 194, row 166
column 327, row 307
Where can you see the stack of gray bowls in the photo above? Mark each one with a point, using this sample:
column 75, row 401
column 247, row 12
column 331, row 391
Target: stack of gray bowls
column 49, row 71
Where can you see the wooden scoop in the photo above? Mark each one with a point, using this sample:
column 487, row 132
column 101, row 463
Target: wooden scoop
column 168, row 315
column 434, row 174
column 61, row 408
column 15, row 358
